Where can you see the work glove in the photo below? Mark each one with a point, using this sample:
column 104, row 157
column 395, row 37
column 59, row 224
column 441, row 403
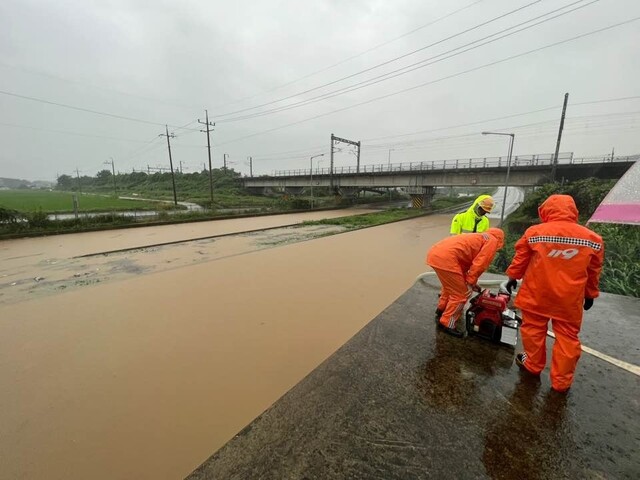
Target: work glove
column 511, row 284
column 588, row 303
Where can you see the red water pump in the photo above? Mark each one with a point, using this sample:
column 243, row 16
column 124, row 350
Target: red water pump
column 490, row 317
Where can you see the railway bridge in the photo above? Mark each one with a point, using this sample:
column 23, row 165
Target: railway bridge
column 419, row 179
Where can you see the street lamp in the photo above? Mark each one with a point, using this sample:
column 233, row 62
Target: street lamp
column 506, row 181
column 311, row 172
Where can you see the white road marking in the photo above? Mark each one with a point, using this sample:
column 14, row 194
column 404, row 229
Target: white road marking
column 629, row 367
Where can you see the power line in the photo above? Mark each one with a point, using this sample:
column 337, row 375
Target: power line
column 80, row 109
column 149, row 147
column 415, row 66
column 431, row 82
column 184, row 127
column 288, row 151
column 66, row 132
column 395, row 59
column 433, row 22
column 478, row 122
column 550, row 129
column 97, row 87
column 583, row 118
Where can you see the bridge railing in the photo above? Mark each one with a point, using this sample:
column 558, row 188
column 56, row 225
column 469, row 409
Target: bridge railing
column 459, row 164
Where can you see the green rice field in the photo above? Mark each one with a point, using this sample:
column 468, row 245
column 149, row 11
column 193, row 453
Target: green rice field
column 27, row 201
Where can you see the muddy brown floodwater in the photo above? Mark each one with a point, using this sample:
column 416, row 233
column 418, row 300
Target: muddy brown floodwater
column 146, row 372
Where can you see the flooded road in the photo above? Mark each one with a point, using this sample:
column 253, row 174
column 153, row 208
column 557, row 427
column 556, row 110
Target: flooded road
column 144, row 374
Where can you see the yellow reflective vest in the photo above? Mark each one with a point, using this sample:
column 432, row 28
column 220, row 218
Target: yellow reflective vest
column 469, row 222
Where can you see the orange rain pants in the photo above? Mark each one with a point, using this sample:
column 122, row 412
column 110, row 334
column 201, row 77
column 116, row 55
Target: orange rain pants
column 566, row 348
column 453, row 296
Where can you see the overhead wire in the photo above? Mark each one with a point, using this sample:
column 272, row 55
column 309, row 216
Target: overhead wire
column 300, row 150
column 568, row 119
column 456, row 141
column 431, row 82
column 570, row 124
column 433, row 22
column 412, row 67
column 504, row 117
column 67, row 132
column 218, row 117
column 97, row 87
column 81, row 109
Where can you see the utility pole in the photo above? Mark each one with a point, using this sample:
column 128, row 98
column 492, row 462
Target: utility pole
column 613, row 151
column 335, row 139
column 251, row 166
column 311, row 174
column 555, row 157
column 208, row 124
column 358, row 159
column 224, row 161
column 113, row 170
column 78, row 176
column 173, row 178
column 331, row 165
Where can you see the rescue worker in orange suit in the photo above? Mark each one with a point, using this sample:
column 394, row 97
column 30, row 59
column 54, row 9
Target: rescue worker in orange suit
column 473, row 220
column 559, row 262
column 458, row 262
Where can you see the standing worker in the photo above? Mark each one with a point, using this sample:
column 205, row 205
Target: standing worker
column 474, row 220
column 458, row 262
column 560, row 263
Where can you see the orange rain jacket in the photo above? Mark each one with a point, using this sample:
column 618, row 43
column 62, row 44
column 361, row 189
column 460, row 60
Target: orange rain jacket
column 469, row 254
column 559, row 262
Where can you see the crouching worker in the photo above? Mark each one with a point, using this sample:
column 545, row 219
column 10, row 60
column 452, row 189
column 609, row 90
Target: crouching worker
column 559, row 262
column 459, row 261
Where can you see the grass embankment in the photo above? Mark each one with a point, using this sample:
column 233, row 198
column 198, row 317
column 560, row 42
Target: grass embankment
column 194, row 187
column 28, row 201
column 389, row 216
column 621, row 270
column 368, row 219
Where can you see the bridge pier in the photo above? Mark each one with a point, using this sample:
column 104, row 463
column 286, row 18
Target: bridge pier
column 294, row 191
column 266, row 191
column 349, row 192
column 420, row 196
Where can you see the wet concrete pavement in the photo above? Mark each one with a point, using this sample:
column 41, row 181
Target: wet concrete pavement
column 402, row 400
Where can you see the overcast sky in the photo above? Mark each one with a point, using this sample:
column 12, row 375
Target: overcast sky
column 166, row 61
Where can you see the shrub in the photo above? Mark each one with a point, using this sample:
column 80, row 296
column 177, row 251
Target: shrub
column 38, row 219
column 621, row 270
column 9, row 216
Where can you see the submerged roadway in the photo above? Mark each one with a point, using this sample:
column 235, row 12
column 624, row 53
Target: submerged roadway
column 233, row 344
column 402, row 400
